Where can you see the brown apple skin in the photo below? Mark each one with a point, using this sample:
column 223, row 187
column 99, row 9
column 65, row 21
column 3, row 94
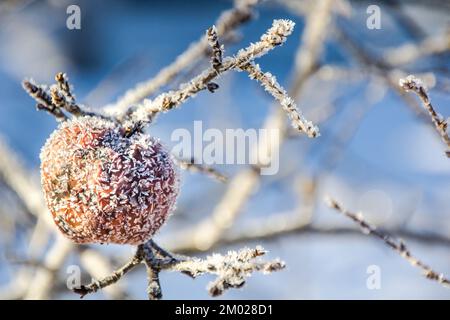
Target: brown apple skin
column 103, row 187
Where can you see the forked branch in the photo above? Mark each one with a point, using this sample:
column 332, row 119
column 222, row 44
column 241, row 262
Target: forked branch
column 231, row 269
column 275, row 36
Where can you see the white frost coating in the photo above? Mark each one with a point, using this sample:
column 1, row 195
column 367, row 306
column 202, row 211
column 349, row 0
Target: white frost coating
column 101, row 186
column 412, row 83
column 276, row 35
column 270, row 84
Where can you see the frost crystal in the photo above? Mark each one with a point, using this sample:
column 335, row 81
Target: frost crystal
column 104, row 187
column 411, row 83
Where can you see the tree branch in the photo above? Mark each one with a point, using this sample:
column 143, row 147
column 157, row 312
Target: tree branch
column 271, row 85
column 231, row 269
column 190, row 165
column 217, row 48
column 411, row 83
column 114, row 277
column 274, row 37
column 58, row 99
column 227, row 22
column 210, row 230
column 395, row 244
column 43, row 99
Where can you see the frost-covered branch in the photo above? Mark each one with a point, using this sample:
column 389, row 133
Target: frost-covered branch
column 62, row 96
column 241, row 187
column 58, row 99
column 217, row 48
column 231, row 269
column 274, row 37
column 113, row 277
column 225, row 24
column 271, row 85
column 411, row 83
column 43, row 99
column 395, row 244
column 190, row 165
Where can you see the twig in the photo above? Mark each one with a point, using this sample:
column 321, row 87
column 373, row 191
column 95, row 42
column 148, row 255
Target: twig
column 217, row 48
column 153, row 267
column 65, row 87
column 271, row 85
column 396, row 244
column 274, row 37
column 227, row 22
column 97, row 265
column 190, row 165
column 43, row 99
column 280, row 225
column 231, row 269
column 411, row 83
column 114, row 277
column 60, row 98
column 210, row 230
column 154, row 291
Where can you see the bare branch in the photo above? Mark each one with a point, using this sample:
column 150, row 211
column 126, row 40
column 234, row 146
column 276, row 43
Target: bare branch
column 60, row 98
column 275, row 36
column 43, row 99
column 97, row 265
column 114, row 277
column 396, row 244
column 411, row 83
column 227, row 22
column 217, row 49
column 231, row 269
column 210, row 230
column 190, row 165
column 271, row 85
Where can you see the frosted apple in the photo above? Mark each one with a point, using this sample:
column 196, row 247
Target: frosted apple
column 104, row 187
